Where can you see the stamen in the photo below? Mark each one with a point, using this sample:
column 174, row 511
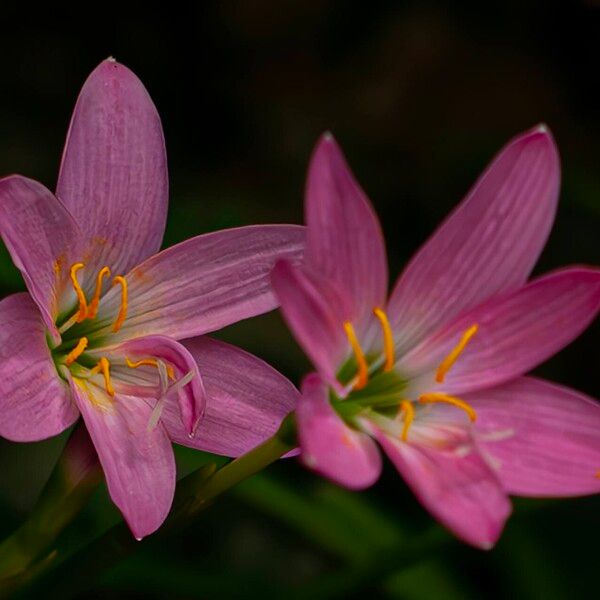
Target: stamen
column 445, row 398
column 447, row 363
column 80, row 295
column 93, row 307
column 150, row 362
column 77, row 351
column 363, row 368
column 123, row 311
column 104, row 367
column 388, row 339
column 408, row 409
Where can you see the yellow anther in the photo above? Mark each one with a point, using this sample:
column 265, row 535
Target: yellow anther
column 77, row 351
column 407, row 408
column 123, row 310
column 388, row 339
column 445, row 398
column 92, row 310
column 150, row 362
column 363, row 368
column 103, row 366
column 80, row 295
column 447, row 363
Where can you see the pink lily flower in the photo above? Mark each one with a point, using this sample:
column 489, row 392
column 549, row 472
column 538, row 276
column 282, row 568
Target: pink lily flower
column 97, row 333
column 435, row 373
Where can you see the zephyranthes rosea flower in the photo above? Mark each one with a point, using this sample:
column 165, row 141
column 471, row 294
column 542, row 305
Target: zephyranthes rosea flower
column 96, row 335
column 434, row 374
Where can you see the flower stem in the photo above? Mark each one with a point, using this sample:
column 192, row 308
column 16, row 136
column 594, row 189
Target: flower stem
column 195, row 492
column 71, row 483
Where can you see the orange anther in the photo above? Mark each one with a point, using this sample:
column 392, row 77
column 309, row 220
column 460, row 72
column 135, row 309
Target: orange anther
column 363, row 368
column 77, row 351
column 150, row 362
column 445, row 398
column 407, row 408
column 123, row 310
column 80, row 295
column 104, row 367
column 93, row 307
column 388, row 338
column 447, row 363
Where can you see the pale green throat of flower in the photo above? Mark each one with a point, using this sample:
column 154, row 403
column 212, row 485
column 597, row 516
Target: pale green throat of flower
column 375, row 385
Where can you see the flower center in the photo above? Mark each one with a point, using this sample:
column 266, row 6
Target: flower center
column 75, row 354
column 366, row 372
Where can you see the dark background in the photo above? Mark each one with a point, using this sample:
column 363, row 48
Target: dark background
column 420, row 95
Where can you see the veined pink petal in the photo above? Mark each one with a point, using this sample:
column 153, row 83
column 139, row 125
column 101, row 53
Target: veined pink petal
column 455, row 485
column 489, row 244
column 246, row 400
column 42, row 237
column 315, row 312
column 202, row 284
column 191, row 398
column 138, row 462
column 542, row 439
column 329, row 446
column 35, row 403
column 344, row 242
column 517, row 331
column 113, row 175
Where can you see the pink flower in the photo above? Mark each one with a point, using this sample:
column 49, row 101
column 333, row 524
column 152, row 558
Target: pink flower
column 96, row 335
column 435, row 372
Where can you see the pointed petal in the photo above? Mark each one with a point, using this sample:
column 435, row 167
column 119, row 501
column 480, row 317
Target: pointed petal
column 35, row 403
column 489, row 244
column 138, row 463
column 41, row 236
column 315, row 311
column 246, row 400
column 190, row 399
column 458, row 489
column 517, row 331
column 543, row 439
column 113, row 175
column 344, row 240
column 348, row 457
column 202, row 284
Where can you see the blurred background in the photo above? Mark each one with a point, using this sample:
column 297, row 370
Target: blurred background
column 420, row 95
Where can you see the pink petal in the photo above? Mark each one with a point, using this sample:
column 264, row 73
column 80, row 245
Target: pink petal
column 42, row 239
column 458, row 489
column 246, row 400
column 489, row 244
column 138, row 462
column 315, row 311
column 517, row 331
column 202, row 284
column 191, row 398
column 329, row 446
column 543, row 439
column 113, row 175
column 344, row 241
column 35, row 403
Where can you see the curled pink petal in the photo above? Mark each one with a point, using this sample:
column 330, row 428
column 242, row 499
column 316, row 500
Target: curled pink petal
column 113, row 176
column 489, row 244
column 516, row 331
column 542, row 439
column 344, row 242
column 138, row 462
column 246, row 400
column 455, row 485
column 191, row 398
column 329, row 446
column 35, row 403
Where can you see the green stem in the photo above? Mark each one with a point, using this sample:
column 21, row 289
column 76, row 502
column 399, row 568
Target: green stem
column 195, row 492
column 71, row 483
